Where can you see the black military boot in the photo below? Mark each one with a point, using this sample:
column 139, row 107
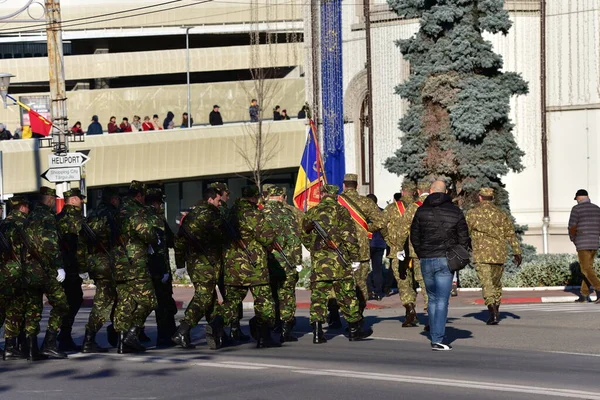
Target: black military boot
column 49, row 346
column 236, row 332
column 318, row 335
column 333, row 319
column 33, row 351
column 122, row 348
column 132, row 339
column 142, row 335
column 491, row 319
column 214, row 333
column 65, row 341
column 496, row 314
column 22, row 344
column 11, row 350
column 89, row 343
column 411, row 316
column 112, row 336
column 254, row 328
column 266, row 340
column 357, row 332
column 287, row 332
column 182, row 336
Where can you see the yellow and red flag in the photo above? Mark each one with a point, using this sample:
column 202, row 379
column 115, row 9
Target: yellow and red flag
column 310, row 174
column 38, row 123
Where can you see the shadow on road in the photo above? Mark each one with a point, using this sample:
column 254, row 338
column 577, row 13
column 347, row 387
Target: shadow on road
column 484, row 314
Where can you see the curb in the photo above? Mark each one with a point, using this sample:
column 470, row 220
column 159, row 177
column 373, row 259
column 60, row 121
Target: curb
column 535, row 300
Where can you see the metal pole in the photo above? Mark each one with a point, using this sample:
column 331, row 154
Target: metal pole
column 315, row 46
column 367, row 14
column 2, row 186
column 57, row 88
column 546, row 218
column 189, row 92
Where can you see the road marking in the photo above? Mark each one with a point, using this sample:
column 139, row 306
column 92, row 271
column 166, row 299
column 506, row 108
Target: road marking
column 260, row 365
column 236, row 366
column 500, row 387
column 574, row 354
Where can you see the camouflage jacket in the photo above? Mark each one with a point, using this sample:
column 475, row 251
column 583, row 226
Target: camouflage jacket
column 298, row 213
column 285, row 223
column 203, row 251
column 393, row 222
column 14, row 260
column 44, row 230
column 398, row 240
column 158, row 262
column 337, row 222
column 247, row 222
column 69, row 225
column 491, row 230
column 374, row 217
column 137, row 228
column 103, row 253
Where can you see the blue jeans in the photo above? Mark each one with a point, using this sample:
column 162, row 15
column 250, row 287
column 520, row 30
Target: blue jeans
column 438, row 283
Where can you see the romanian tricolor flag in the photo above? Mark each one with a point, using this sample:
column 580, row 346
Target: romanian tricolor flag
column 37, row 122
column 310, row 174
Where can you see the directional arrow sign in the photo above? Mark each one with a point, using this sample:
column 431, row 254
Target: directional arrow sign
column 62, row 174
column 67, row 160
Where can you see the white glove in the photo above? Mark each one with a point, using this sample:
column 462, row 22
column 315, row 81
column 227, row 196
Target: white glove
column 355, row 266
column 165, row 278
column 298, row 268
column 159, row 242
column 150, row 250
column 401, row 255
column 84, row 276
column 61, row 275
column 180, row 273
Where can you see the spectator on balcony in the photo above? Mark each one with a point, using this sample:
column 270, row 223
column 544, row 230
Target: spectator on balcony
column 147, row 125
column 302, row 112
column 253, row 110
column 156, row 123
column 168, row 122
column 5, row 133
column 94, row 128
column 214, row 118
column 276, row 114
column 185, row 121
column 284, row 116
column 112, row 125
column 137, row 123
column 76, row 129
column 125, row 125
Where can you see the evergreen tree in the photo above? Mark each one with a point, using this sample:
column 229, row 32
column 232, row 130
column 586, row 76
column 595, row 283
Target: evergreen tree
column 457, row 126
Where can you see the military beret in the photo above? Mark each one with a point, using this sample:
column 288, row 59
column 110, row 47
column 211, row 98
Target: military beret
column 409, row 185
column 220, row 186
column 351, row 178
column 330, row 189
column 46, row 191
column 137, row 187
column 154, row 194
column 250, row 191
column 486, row 192
column 73, row 193
column 18, row 200
column 423, row 185
column 276, row 191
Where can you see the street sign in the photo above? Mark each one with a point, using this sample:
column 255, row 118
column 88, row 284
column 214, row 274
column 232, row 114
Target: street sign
column 67, row 160
column 55, row 175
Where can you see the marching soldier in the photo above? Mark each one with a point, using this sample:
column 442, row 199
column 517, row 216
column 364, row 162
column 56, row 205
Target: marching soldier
column 135, row 293
column 298, row 214
column 408, row 295
column 69, row 224
column 491, row 229
column 368, row 219
column 199, row 247
column 330, row 236
column 286, row 259
column 101, row 244
column 248, row 235
column 42, row 224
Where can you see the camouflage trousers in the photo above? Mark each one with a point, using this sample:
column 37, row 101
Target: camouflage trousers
column 360, row 280
column 104, row 302
column 406, row 287
column 202, row 304
column 24, row 313
column 284, row 296
column 490, row 276
column 58, row 300
column 345, row 294
column 135, row 302
column 13, row 304
column 264, row 309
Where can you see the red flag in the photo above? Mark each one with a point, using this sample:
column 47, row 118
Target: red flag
column 39, row 124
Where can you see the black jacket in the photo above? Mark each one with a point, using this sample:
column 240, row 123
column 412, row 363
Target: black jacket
column 214, row 118
column 436, row 213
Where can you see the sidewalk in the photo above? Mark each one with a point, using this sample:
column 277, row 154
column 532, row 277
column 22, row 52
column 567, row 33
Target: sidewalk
column 182, row 296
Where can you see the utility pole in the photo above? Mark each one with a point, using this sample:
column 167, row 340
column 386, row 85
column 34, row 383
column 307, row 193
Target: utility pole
column 58, row 95
column 367, row 14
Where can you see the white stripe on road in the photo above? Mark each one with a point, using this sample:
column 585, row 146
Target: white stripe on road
column 455, row 383
column 574, row 354
column 241, row 363
column 219, row 365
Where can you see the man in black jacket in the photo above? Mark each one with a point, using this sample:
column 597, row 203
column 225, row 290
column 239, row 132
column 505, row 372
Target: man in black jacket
column 214, row 118
column 437, row 225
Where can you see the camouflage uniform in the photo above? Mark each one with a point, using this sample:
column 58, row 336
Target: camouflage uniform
column 285, row 223
column 394, row 219
column 491, row 229
column 376, row 221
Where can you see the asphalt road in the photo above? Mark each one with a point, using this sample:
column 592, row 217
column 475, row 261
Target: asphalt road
column 537, row 352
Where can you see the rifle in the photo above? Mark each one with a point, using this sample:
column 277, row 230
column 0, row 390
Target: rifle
column 329, row 242
column 116, row 235
column 6, row 247
column 234, row 236
column 28, row 245
column 93, row 238
column 195, row 242
column 279, row 249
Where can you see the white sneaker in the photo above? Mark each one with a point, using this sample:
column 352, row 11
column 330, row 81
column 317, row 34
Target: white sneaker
column 440, row 347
